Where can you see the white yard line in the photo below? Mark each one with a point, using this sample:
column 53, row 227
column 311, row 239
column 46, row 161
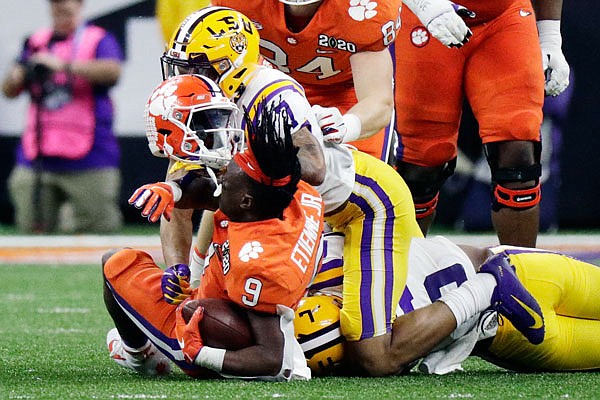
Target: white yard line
column 88, row 249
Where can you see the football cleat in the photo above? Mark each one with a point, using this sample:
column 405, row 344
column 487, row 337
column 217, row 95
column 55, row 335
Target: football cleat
column 148, row 361
column 512, row 300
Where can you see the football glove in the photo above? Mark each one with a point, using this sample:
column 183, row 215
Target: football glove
column 156, row 199
column 175, row 284
column 337, row 128
column 556, row 68
column 443, row 20
column 188, row 335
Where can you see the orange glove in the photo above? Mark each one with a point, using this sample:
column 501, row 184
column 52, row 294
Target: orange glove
column 188, row 335
column 156, row 199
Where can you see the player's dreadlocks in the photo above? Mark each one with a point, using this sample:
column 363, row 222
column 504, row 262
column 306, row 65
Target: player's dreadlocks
column 270, row 140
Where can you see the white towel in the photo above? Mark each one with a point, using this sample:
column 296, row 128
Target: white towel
column 450, row 358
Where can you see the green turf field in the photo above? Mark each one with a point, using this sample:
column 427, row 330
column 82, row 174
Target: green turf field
column 53, row 328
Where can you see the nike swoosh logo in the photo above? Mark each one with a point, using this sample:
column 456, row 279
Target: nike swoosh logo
column 320, row 51
column 524, row 13
column 537, row 319
column 181, row 343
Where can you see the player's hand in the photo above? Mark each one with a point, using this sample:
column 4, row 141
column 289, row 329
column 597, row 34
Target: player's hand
column 337, row 128
column 156, row 199
column 175, row 284
column 450, row 28
column 443, row 20
column 556, row 68
column 188, row 335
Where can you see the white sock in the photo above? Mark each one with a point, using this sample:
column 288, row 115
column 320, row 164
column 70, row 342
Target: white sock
column 135, row 354
column 470, row 298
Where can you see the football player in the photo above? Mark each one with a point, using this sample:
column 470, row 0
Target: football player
column 566, row 289
column 363, row 198
column 337, row 50
column 501, row 74
column 263, row 254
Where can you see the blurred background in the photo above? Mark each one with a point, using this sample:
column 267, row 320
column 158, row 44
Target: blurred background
column 573, row 200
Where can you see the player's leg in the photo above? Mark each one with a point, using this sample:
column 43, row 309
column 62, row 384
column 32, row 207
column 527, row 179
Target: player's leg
column 133, row 298
column 428, row 104
column 568, row 291
column 378, row 223
column 425, row 184
column 505, row 87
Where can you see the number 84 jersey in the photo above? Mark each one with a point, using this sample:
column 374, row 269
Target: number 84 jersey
column 320, row 53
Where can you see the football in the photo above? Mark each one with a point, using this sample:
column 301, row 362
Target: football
column 224, row 325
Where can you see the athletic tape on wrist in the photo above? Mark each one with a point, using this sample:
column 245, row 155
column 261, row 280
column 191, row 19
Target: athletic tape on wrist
column 353, row 127
column 211, row 358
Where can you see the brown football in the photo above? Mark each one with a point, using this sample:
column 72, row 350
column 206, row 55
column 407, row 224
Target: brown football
column 224, row 325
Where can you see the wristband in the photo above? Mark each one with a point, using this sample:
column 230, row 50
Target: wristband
column 549, row 32
column 211, row 358
column 196, row 268
column 353, row 127
column 177, row 193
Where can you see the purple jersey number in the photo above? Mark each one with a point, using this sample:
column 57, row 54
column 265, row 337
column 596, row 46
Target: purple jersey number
column 433, row 284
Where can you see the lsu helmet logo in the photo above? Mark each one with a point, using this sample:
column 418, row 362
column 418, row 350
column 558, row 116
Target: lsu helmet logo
column 238, row 43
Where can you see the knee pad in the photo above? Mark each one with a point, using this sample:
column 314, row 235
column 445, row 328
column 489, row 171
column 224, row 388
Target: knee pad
column 523, row 196
column 425, row 184
column 517, row 199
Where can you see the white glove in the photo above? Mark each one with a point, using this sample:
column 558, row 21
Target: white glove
column 443, row 20
column 337, row 128
column 554, row 63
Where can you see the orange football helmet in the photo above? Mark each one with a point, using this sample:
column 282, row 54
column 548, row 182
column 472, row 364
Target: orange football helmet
column 189, row 119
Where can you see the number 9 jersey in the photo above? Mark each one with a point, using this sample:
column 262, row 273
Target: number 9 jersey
column 261, row 264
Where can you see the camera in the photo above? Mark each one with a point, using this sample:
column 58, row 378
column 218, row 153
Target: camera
column 39, row 80
column 37, row 73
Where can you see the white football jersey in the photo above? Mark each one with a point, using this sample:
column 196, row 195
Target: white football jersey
column 435, row 266
column 276, row 88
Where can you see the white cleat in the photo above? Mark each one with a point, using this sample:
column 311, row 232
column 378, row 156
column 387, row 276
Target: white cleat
column 148, row 361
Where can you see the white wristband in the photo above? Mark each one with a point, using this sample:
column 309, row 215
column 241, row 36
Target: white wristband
column 353, row 127
column 196, row 268
column 211, row 358
column 177, row 193
column 549, row 33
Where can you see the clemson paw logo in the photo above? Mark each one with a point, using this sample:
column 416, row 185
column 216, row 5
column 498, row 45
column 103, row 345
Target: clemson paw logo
column 250, row 250
column 162, row 99
column 362, row 9
column 419, row 36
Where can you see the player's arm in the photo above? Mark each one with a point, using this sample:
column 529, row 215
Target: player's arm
column 263, row 359
column 548, row 15
column 176, row 233
column 372, row 74
column 266, row 356
column 310, row 155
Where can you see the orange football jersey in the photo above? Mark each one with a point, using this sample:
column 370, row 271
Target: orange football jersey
column 318, row 57
column 264, row 263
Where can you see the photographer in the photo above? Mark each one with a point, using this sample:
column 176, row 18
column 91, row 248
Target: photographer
column 68, row 152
